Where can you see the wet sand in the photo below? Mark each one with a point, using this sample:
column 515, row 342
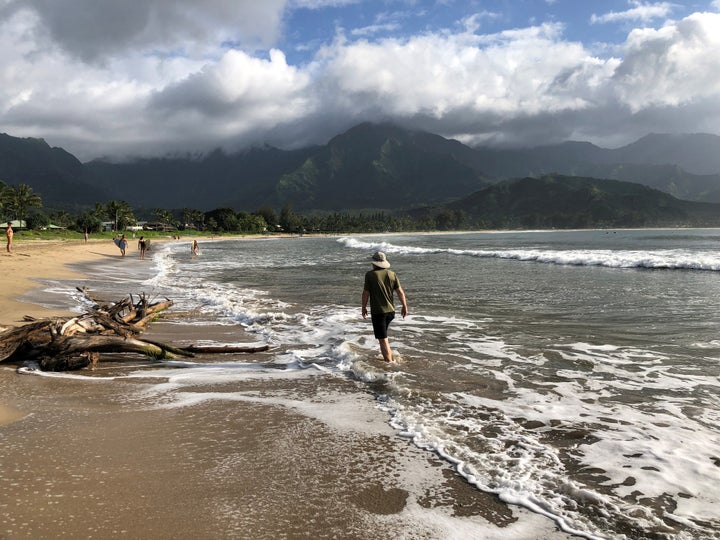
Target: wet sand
column 93, row 459
column 83, row 464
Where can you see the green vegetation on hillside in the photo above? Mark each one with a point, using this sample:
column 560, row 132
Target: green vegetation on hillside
column 553, row 201
column 373, row 177
column 557, row 201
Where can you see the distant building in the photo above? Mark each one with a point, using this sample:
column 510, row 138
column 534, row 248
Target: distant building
column 110, row 226
column 157, row 227
column 17, row 224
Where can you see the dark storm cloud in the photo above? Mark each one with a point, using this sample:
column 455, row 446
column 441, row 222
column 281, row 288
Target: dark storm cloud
column 94, row 29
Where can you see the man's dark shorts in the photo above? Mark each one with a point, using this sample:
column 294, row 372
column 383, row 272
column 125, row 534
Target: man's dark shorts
column 380, row 324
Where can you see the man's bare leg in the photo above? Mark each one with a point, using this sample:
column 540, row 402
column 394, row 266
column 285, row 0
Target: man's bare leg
column 385, row 349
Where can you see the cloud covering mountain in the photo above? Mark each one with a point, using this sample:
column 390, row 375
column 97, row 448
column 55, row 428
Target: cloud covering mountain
column 107, row 78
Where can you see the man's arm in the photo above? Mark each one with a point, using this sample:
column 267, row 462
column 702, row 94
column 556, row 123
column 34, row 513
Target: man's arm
column 365, row 298
column 403, row 300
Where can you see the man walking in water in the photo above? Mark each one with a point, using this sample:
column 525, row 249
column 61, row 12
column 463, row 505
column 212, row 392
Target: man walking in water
column 380, row 284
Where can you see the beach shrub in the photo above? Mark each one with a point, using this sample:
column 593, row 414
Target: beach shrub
column 89, row 221
column 38, row 220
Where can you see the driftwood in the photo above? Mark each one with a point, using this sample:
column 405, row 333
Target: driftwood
column 76, row 343
column 224, row 349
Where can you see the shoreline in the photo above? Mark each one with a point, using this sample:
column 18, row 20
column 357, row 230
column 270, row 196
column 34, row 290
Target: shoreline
column 86, row 461
column 23, row 270
column 34, row 261
column 37, row 260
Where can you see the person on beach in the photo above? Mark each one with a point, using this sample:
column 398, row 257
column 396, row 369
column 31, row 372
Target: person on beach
column 142, row 246
column 9, row 234
column 380, row 284
column 122, row 244
column 86, row 236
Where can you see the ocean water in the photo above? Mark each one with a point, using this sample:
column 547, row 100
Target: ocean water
column 572, row 373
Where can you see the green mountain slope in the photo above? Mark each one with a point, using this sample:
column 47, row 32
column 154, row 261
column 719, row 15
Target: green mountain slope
column 697, row 153
column 381, row 167
column 243, row 180
column 556, row 201
column 668, row 178
column 52, row 172
column 369, row 167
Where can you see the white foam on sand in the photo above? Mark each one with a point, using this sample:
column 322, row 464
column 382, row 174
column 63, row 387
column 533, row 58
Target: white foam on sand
column 646, row 451
column 438, row 523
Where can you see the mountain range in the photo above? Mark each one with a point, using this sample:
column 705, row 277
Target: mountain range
column 369, row 167
column 561, row 202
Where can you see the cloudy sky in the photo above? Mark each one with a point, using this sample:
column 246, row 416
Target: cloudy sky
column 149, row 77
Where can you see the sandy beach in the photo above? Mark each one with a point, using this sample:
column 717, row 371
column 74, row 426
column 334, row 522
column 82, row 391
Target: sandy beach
column 29, row 262
column 80, row 460
column 40, row 259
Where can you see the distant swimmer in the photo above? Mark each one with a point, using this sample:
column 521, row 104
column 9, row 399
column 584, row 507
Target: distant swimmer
column 380, row 284
column 195, row 248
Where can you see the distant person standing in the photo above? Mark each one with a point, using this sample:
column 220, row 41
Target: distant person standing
column 122, row 244
column 86, row 236
column 380, row 285
column 142, row 246
column 9, row 234
column 195, row 248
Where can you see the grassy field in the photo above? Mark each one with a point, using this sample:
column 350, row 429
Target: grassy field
column 62, row 235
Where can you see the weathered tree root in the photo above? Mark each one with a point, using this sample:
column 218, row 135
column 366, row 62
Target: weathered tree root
column 76, row 343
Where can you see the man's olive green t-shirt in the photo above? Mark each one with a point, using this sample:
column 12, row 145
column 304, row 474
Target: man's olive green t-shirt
column 381, row 283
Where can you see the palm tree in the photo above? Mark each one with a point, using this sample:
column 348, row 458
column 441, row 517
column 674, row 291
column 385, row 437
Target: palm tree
column 19, row 199
column 100, row 211
column 193, row 218
column 199, row 219
column 164, row 216
column 121, row 213
column 61, row 218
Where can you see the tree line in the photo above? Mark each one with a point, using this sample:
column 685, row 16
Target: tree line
column 23, row 204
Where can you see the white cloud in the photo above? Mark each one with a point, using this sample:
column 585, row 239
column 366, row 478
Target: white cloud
column 473, row 23
column 374, row 29
column 434, row 74
column 235, row 98
column 641, row 12
column 319, row 4
column 522, row 86
column 463, row 83
column 671, row 66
